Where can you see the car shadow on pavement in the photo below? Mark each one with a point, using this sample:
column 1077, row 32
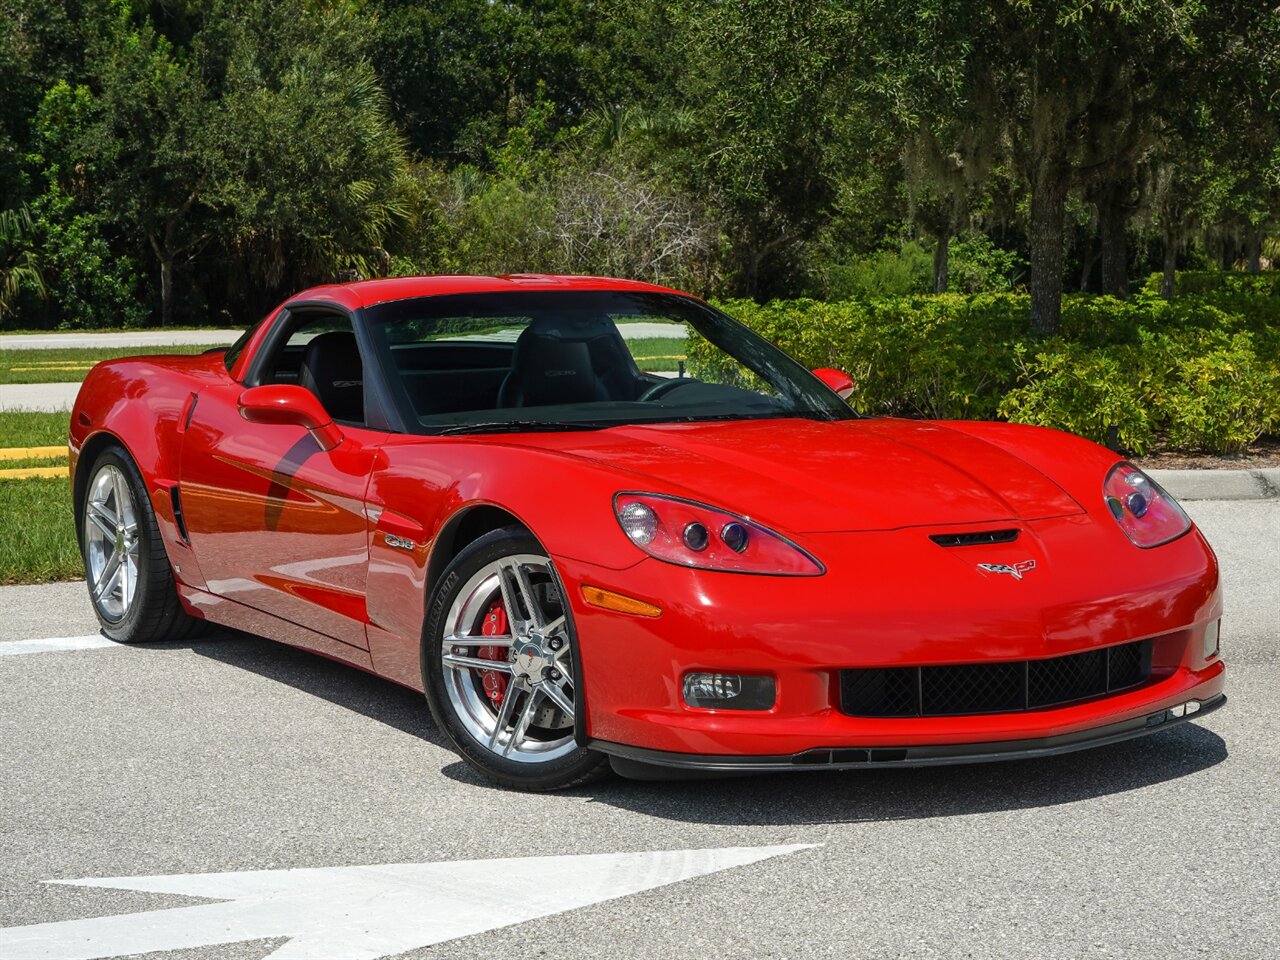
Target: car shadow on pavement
column 345, row 686
column 774, row 800
column 921, row 793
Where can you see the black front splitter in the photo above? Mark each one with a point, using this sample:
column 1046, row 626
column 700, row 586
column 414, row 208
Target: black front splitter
column 638, row 763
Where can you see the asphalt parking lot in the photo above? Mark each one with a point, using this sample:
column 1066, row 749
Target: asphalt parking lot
column 167, row 766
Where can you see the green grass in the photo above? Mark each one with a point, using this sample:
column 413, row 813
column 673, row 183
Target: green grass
column 37, row 537
column 26, row 462
column 49, row 366
column 19, row 428
column 659, row 353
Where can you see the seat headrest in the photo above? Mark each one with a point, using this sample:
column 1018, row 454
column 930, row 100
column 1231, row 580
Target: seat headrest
column 331, row 369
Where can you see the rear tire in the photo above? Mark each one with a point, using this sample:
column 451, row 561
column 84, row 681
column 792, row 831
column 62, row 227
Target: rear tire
column 131, row 584
column 500, row 602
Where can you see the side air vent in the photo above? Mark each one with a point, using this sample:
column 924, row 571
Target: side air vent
column 979, row 538
column 175, row 498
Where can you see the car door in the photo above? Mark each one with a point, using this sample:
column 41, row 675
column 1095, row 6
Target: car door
column 276, row 522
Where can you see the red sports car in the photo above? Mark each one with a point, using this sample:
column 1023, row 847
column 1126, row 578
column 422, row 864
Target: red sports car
column 599, row 523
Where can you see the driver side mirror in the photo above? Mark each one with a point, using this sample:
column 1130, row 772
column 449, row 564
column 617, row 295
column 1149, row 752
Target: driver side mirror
column 282, row 403
column 841, row 383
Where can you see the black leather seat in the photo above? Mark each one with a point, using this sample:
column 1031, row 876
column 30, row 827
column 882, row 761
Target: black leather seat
column 569, row 361
column 331, row 369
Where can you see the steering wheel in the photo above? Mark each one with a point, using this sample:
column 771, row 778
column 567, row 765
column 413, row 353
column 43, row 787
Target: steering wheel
column 663, row 388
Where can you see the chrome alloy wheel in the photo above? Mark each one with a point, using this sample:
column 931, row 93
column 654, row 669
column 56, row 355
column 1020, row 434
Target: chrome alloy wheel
column 512, row 690
column 111, row 543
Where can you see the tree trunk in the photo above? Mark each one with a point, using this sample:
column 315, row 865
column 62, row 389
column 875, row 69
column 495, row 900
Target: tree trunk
column 1169, row 282
column 941, row 258
column 1048, row 208
column 1112, row 217
column 1254, row 250
column 166, row 290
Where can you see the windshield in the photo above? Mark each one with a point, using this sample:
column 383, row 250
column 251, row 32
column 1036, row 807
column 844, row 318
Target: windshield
column 545, row 360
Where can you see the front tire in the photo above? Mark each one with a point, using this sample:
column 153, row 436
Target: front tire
column 130, row 582
column 498, row 665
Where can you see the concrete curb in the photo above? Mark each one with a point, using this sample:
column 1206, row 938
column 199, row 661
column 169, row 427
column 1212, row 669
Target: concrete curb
column 1263, row 484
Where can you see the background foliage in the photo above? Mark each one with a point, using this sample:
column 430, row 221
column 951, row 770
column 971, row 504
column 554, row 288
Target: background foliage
column 982, row 181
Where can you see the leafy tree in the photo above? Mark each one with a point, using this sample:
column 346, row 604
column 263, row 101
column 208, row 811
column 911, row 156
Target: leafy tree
column 1076, row 84
column 761, row 82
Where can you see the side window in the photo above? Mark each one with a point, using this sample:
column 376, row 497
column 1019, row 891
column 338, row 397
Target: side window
column 321, row 354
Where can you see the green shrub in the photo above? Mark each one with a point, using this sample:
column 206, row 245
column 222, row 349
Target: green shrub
column 1209, row 282
column 1201, row 373
column 1219, row 398
column 1069, row 386
column 885, row 273
column 976, row 265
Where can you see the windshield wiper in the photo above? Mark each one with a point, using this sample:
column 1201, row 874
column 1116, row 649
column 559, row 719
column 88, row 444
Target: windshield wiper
column 524, row 426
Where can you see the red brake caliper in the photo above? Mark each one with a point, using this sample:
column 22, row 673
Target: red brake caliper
column 495, row 625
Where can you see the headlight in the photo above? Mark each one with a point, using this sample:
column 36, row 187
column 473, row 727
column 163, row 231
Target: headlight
column 1147, row 514
column 696, row 535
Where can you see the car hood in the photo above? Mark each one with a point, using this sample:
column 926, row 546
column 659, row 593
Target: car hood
column 808, row 476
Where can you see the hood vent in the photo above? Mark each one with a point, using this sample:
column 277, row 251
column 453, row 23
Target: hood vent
column 980, row 538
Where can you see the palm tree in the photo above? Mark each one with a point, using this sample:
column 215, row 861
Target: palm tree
column 18, row 266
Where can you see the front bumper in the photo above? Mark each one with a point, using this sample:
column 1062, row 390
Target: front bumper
column 639, row 764
column 890, row 600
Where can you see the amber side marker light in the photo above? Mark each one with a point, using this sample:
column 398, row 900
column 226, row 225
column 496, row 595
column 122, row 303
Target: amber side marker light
column 608, row 600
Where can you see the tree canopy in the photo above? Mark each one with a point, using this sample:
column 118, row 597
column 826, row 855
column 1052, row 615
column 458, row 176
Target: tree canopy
column 188, row 161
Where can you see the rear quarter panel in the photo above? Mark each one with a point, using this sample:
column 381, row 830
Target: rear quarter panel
column 141, row 402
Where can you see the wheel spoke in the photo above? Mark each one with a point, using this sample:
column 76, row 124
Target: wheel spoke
column 509, row 603
column 117, row 485
column 551, row 628
column 522, row 725
column 557, row 696
column 124, row 580
column 477, row 641
column 459, row 662
column 103, row 520
column 108, row 575
column 504, row 715
column 514, row 580
column 536, row 616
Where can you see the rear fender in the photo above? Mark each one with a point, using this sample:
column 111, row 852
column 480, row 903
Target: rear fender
column 143, row 406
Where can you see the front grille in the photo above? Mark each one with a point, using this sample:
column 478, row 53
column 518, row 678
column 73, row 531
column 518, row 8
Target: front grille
column 1004, row 687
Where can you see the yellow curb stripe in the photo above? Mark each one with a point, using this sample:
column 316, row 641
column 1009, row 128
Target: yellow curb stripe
column 33, row 473
column 33, row 453
column 49, row 369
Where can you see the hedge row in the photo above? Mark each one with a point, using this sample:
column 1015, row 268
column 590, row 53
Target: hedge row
column 1199, row 373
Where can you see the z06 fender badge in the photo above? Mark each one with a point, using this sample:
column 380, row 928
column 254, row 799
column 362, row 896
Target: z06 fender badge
column 402, row 542
column 1015, row 570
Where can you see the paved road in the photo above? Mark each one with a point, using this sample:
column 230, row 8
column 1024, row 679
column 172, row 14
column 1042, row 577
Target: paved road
column 40, row 397
column 234, row 754
column 125, row 338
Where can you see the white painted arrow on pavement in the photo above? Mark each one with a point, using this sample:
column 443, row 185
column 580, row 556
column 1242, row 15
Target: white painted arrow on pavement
column 361, row 913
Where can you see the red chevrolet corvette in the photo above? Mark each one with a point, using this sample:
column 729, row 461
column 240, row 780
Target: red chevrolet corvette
column 599, row 523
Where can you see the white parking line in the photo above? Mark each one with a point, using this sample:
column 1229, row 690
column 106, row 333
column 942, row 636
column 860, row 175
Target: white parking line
column 54, row 644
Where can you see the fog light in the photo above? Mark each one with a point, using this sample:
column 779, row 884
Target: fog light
column 1211, row 639
column 729, row 691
